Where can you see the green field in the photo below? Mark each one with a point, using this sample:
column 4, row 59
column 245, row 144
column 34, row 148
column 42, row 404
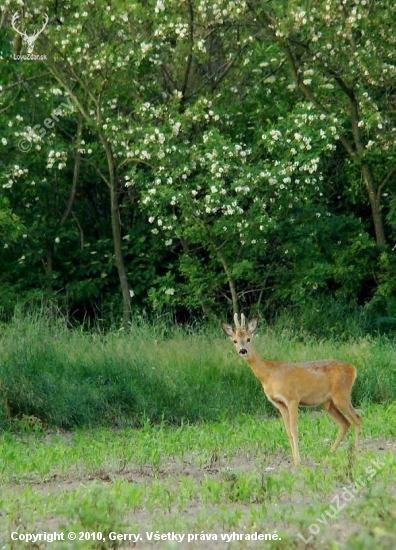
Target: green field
column 164, row 432
column 212, row 478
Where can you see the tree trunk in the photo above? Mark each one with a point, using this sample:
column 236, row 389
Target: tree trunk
column 76, row 172
column 375, row 200
column 116, row 231
column 49, row 267
column 230, row 279
column 118, row 254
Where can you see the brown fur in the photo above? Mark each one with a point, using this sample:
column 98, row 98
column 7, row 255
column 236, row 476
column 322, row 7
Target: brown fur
column 289, row 385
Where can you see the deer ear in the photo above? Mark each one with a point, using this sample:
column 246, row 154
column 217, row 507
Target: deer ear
column 227, row 329
column 252, row 325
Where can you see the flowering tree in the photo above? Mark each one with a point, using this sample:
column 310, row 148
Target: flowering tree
column 143, row 140
column 215, row 139
column 92, row 54
column 341, row 58
column 205, row 189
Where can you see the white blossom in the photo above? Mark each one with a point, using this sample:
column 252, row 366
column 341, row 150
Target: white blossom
column 170, row 291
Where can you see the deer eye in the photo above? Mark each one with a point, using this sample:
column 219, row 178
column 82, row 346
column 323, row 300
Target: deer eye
column 248, row 340
column 235, row 342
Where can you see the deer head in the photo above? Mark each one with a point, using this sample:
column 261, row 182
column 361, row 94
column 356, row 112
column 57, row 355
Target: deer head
column 30, row 40
column 241, row 335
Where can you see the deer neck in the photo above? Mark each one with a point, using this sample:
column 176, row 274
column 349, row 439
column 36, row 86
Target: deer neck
column 260, row 368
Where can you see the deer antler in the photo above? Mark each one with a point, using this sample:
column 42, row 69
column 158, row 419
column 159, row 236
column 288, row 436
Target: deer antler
column 35, row 35
column 13, row 20
column 239, row 324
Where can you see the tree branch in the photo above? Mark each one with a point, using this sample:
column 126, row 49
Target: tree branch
column 386, row 179
column 23, row 80
column 190, row 49
column 76, row 171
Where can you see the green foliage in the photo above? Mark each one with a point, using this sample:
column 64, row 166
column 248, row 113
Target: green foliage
column 69, row 379
column 10, row 226
column 59, row 377
column 252, row 162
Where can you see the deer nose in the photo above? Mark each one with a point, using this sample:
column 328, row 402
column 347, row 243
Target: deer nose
column 243, row 351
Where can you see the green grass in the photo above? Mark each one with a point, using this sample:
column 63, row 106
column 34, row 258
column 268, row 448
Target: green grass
column 59, row 377
column 213, row 477
column 163, row 429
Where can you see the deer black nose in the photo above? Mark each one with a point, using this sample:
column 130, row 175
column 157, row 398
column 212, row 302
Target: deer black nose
column 242, row 351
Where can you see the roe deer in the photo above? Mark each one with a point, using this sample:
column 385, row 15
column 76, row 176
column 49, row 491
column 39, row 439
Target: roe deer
column 288, row 385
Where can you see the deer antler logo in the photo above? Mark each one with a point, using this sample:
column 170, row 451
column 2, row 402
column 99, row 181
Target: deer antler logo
column 30, row 40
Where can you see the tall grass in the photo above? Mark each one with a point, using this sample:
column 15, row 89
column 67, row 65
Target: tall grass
column 65, row 378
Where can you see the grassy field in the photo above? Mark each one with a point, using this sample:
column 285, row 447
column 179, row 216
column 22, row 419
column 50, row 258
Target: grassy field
column 212, row 479
column 165, row 433
column 67, row 378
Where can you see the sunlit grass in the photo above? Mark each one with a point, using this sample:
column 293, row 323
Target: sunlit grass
column 219, row 476
column 65, row 378
column 169, row 430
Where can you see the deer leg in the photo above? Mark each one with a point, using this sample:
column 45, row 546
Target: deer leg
column 292, row 407
column 349, row 412
column 286, row 420
column 357, row 421
column 342, row 422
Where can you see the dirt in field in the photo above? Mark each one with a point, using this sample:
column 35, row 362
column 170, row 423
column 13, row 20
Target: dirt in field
column 220, row 468
column 174, row 467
